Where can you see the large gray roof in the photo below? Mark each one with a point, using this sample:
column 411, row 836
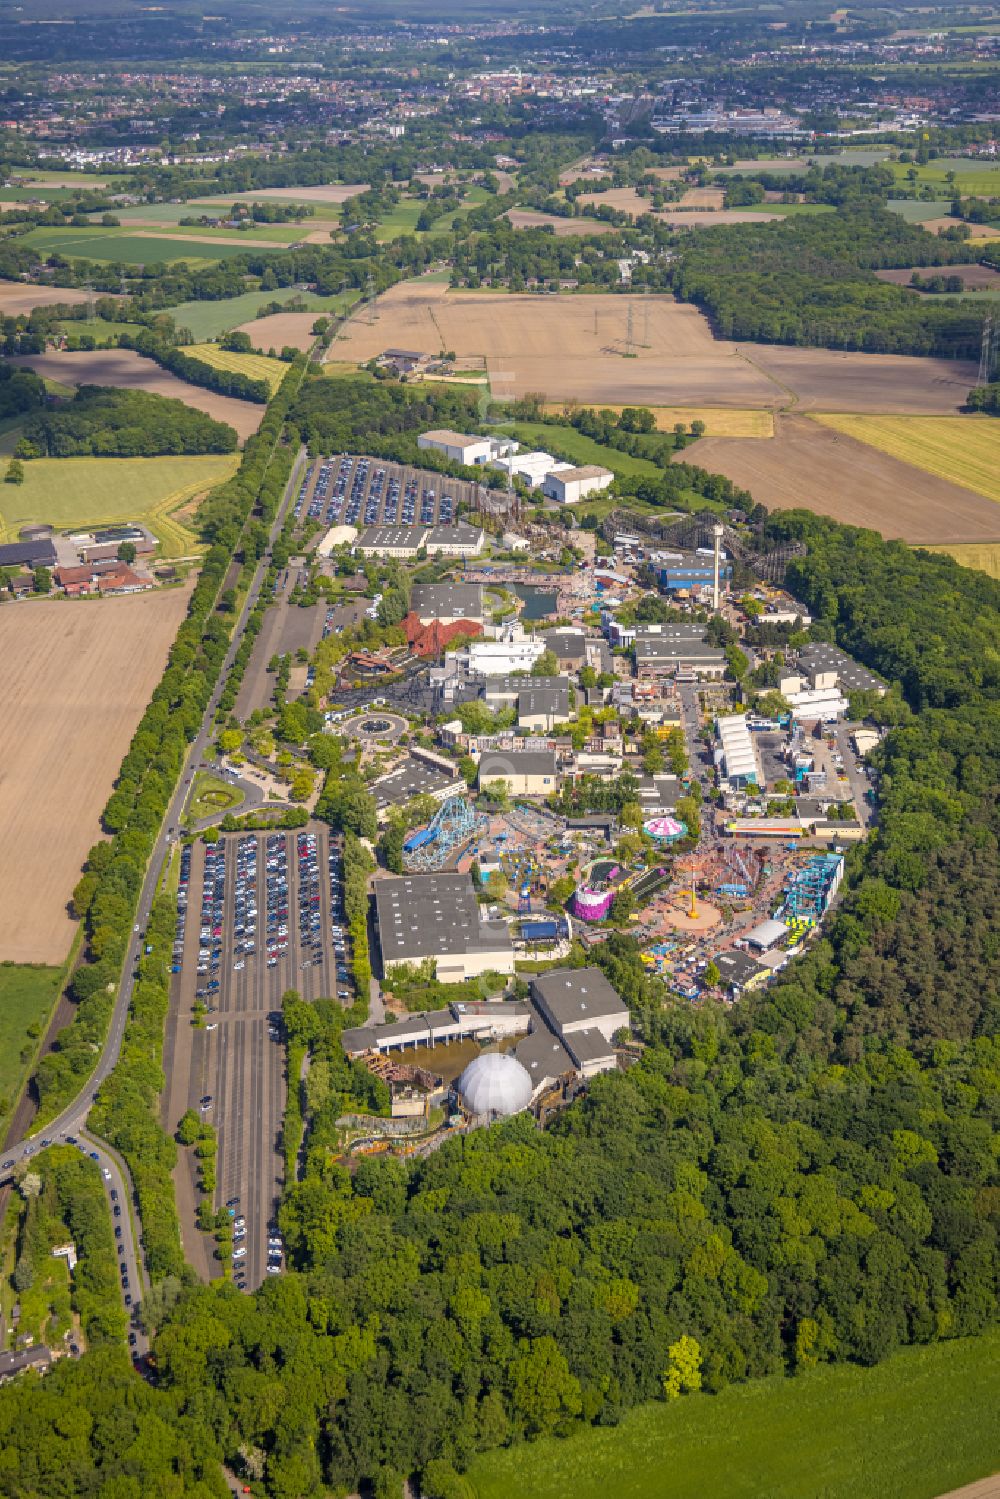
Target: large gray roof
column 573, row 994
column 424, row 915
column 447, row 600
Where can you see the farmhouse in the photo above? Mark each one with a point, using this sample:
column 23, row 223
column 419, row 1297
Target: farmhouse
column 568, row 485
column 525, row 772
column 436, row 917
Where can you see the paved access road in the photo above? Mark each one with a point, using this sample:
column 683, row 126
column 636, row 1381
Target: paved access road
column 73, row 1118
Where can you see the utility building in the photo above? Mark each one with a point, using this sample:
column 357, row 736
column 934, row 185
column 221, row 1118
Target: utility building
column 436, row 917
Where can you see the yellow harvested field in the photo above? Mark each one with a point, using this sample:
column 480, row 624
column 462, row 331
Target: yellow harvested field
column 625, row 199
column 75, row 678
column 719, row 421
column 964, row 450
column 985, row 558
column 254, row 366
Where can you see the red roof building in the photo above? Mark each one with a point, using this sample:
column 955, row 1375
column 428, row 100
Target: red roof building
column 431, row 639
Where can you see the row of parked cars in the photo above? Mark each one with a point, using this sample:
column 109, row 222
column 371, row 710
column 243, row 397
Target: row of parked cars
column 213, row 896
column 245, row 902
column 276, row 897
column 336, row 874
column 310, row 918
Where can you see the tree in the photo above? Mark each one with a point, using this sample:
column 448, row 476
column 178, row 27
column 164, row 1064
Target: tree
column 712, row 976
column 698, row 429
column 622, row 907
column 43, row 580
column 236, row 342
column 15, row 472
column 546, row 665
column 498, row 792
column 684, row 1370
column 126, row 551
column 230, row 741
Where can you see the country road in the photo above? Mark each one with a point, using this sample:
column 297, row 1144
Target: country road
column 71, row 1121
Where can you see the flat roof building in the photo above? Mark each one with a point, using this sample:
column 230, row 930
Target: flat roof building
column 446, row 602
column 573, row 1000
column 412, row 778
column 569, row 485
column 525, row 772
column 542, row 707
column 404, row 542
column 457, row 446
column 436, row 917
column 827, row 665
column 737, row 753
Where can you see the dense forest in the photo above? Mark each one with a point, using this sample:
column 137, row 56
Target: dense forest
column 115, row 423
column 810, row 280
column 811, row 1176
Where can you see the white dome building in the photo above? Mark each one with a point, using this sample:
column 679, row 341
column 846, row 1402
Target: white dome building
column 495, row 1084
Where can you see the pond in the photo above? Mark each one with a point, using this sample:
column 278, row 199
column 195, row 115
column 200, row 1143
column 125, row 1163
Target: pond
column 538, row 602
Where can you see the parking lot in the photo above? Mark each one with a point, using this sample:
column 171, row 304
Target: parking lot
column 368, row 492
column 258, row 914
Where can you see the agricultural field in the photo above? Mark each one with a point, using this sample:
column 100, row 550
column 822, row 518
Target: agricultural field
column 281, row 328
column 530, row 218
column 71, row 493
column 27, row 996
column 978, row 232
column 581, row 449
column 17, row 299
column 575, row 348
column 123, row 367
column 719, row 421
column 921, row 1413
column 137, row 246
column 75, row 678
column 971, row 178
column 333, row 193
column 207, row 320
column 975, row 277
column 985, row 558
column 810, row 466
column 962, row 449
column 918, row 213
column 254, row 366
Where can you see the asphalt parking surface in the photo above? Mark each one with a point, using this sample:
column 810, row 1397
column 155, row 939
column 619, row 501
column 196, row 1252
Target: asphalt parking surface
column 237, row 1057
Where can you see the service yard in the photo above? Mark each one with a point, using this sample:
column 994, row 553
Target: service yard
column 258, row 914
column 75, row 678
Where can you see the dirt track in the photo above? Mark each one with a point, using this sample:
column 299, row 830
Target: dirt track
column 575, row 347
column 126, row 368
column 75, row 678
column 800, row 468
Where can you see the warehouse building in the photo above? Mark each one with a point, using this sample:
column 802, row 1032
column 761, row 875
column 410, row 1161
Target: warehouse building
column 404, row 542
column 574, row 650
column 503, row 692
column 569, row 485
column 457, row 446
column 525, row 772
column 827, row 666
column 671, row 655
column 447, row 602
column 511, row 652
column 436, row 917
column 694, row 570
column 412, row 778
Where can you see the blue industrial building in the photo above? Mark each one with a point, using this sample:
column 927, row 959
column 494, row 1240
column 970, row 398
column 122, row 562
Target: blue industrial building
column 692, row 572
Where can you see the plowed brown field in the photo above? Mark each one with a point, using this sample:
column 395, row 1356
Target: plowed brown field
column 126, row 368
column 74, row 680
column 530, row 218
column 280, row 328
column 810, row 467
column 16, row 297
column 574, row 347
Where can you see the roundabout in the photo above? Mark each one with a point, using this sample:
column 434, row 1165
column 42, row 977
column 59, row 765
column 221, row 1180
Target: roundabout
column 375, row 728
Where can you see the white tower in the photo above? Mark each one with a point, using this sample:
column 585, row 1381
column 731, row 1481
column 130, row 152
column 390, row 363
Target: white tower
column 716, row 549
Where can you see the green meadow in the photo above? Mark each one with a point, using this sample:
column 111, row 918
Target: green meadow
column 918, row 1425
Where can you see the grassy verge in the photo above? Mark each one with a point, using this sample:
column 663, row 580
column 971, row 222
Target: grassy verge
column 914, row 1425
column 211, row 797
